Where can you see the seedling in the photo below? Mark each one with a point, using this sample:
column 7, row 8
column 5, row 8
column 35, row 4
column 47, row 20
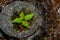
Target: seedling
column 23, row 19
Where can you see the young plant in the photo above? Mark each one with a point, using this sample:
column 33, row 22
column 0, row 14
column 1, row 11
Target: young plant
column 23, row 19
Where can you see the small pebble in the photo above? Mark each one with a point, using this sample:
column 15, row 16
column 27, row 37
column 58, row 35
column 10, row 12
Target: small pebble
column 59, row 10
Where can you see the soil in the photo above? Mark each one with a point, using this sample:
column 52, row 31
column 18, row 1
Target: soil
column 53, row 20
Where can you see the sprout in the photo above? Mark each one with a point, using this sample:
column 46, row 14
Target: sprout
column 23, row 19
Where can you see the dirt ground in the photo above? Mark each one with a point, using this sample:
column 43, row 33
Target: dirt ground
column 51, row 22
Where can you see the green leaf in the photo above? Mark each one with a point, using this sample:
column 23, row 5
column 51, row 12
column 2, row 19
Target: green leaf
column 25, row 23
column 29, row 16
column 17, row 20
column 22, row 14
